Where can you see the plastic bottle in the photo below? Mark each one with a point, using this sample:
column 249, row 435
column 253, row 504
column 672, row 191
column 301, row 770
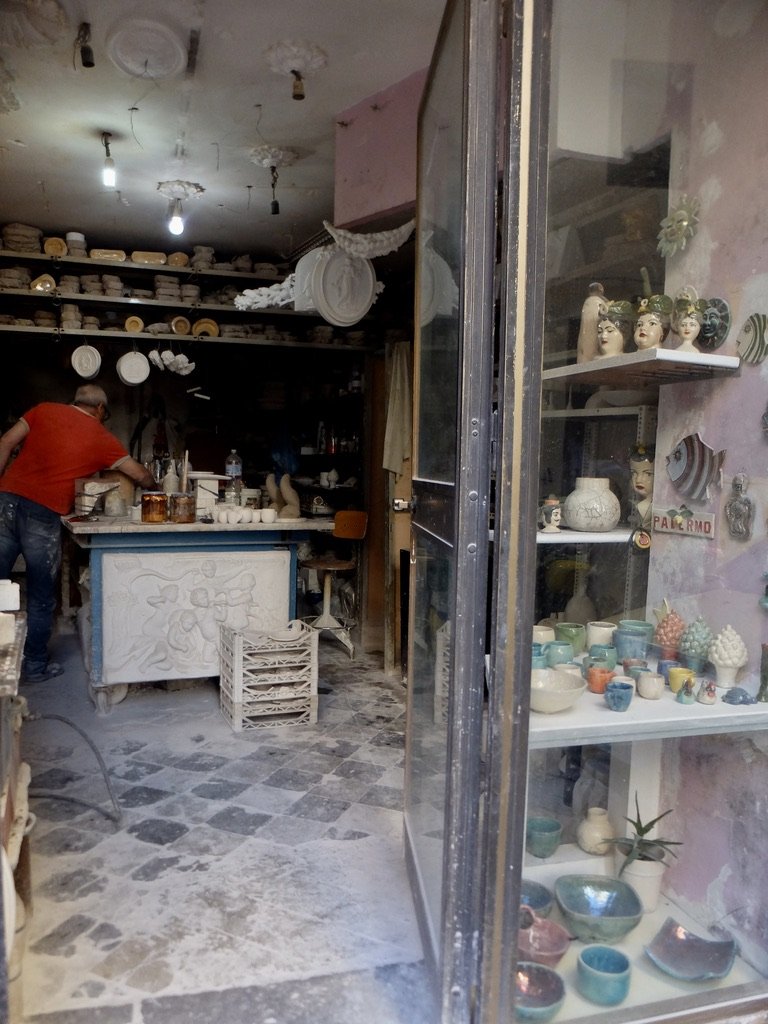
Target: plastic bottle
column 233, row 469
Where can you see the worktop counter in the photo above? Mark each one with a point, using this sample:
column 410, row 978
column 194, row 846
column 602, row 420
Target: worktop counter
column 106, row 525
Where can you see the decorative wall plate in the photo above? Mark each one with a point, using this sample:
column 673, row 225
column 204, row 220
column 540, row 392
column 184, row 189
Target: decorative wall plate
column 206, row 328
column 717, row 323
column 134, row 324
column 86, row 361
column 303, row 298
column 133, row 368
column 752, row 342
column 180, row 325
column 343, row 287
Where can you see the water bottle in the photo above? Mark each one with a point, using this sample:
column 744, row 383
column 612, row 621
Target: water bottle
column 233, row 469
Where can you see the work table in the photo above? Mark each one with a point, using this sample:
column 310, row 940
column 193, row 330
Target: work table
column 103, row 525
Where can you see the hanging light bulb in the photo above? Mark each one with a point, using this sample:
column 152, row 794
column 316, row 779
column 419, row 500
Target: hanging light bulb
column 108, row 174
column 175, row 219
column 298, row 85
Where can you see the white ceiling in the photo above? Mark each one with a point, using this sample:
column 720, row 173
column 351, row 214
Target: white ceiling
column 198, row 124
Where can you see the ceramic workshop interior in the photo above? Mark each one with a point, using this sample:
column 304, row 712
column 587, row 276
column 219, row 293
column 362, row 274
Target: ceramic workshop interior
column 490, row 277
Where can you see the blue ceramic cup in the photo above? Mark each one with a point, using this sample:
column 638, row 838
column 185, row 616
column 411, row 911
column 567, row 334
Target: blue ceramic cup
column 558, row 651
column 607, row 651
column 638, row 626
column 539, row 661
column 602, row 975
column 665, row 665
column 629, row 644
column 542, row 836
column 618, row 695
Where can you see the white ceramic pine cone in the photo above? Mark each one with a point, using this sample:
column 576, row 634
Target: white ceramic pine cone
column 728, row 649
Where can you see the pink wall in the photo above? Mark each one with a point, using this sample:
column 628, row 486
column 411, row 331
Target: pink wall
column 720, row 155
column 376, row 154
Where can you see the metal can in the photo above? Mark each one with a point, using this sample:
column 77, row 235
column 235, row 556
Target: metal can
column 182, row 508
column 154, row 507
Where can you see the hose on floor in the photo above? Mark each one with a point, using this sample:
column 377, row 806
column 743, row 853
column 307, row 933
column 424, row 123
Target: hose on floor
column 117, row 817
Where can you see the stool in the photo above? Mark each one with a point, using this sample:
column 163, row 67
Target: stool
column 346, row 526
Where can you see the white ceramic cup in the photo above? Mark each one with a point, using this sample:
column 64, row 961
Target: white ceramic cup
column 255, row 515
column 246, row 515
column 543, row 634
column 234, row 515
column 221, row 515
column 135, row 513
column 268, row 515
column 651, row 685
column 600, row 633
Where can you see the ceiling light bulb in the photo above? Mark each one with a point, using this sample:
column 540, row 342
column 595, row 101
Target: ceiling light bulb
column 108, row 175
column 298, row 86
column 176, row 221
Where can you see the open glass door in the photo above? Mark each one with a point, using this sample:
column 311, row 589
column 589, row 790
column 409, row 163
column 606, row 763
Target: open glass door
column 449, row 538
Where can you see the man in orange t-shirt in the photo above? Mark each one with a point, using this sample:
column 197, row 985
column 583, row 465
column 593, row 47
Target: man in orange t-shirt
column 58, row 443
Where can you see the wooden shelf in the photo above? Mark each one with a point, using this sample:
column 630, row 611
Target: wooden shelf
column 117, row 265
column 638, row 369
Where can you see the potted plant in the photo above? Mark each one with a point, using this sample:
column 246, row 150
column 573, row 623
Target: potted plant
column 641, row 861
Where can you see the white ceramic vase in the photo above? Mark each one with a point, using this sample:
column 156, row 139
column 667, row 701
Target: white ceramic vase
column 593, row 831
column 592, row 507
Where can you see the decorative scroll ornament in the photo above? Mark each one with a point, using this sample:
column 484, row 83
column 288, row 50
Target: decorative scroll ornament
column 273, row 156
column 26, row 23
column 678, row 226
column 295, row 55
column 279, row 294
column 380, row 243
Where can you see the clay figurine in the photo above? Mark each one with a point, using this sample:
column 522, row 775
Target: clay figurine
column 614, row 329
column 688, row 321
column 641, row 470
column 654, row 319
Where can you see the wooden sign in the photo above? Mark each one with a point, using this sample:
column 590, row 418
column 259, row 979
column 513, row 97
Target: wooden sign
column 684, row 522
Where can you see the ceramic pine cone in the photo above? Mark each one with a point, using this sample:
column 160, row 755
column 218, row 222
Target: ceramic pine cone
column 696, row 638
column 728, row 649
column 670, row 627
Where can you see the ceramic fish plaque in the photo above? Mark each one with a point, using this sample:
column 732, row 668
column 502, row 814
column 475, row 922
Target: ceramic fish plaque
column 693, row 466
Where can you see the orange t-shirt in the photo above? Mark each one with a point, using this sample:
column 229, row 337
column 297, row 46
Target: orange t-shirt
column 63, row 443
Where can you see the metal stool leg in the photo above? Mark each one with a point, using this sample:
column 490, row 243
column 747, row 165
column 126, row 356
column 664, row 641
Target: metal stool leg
column 327, row 621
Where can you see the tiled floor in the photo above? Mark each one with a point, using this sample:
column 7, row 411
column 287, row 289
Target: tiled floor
column 255, row 877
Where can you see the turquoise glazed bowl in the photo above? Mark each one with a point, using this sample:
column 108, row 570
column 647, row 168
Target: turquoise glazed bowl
column 596, row 908
column 536, row 896
column 539, row 991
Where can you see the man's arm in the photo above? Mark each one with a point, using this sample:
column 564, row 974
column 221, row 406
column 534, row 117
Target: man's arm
column 136, row 472
column 11, row 440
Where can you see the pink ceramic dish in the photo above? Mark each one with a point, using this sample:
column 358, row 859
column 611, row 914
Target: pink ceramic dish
column 541, row 940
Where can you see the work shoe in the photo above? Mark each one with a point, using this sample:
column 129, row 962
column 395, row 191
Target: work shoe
column 51, row 670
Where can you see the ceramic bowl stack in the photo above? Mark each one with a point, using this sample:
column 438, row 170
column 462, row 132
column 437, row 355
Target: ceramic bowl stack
column 69, row 283
column 243, row 264
column 224, row 266
column 190, row 293
column 14, row 277
column 22, row 238
column 91, row 284
column 113, row 285
column 91, row 323
column 222, row 297
column 167, row 288
column 202, row 258
column 71, row 317
column 44, row 318
column 142, row 293
column 233, row 331
column 76, row 243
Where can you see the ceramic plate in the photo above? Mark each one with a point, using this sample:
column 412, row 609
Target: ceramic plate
column 134, row 324
column 686, row 956
column 289, row 634
column 206, row 327
column 149, row 258
column 303, row 299
column 55, row 247
column 178, row 259
column 180, row 325
column 86, row 361
column 133, row 368
column 44, row 283
column 107, row 254
column 343, row 287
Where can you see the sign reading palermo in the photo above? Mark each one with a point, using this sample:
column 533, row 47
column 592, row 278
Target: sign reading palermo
column 684, row 522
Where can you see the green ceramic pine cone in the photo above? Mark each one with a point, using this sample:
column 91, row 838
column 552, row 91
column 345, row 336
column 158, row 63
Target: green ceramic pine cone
column 695, row 639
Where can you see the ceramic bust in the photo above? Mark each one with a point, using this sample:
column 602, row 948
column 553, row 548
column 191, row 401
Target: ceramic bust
column 689, row 317
column 642, row 471
column 551, row 516
column 653, row 321
column 614, row 329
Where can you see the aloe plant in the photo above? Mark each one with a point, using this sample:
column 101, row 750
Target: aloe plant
column 637, row 847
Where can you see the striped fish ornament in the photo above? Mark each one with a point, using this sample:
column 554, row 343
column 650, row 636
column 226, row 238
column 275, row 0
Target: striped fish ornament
column 693, row 466
column 752, row 342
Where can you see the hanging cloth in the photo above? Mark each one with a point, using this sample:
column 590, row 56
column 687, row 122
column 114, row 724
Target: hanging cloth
column 397, row 434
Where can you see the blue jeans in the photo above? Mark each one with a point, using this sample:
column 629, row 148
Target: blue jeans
column 33, row 531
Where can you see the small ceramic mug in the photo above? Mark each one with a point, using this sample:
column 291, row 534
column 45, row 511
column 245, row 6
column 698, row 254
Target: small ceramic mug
column 618, row 695
column 558, row 651
column 602, row 975
column 542, row 836
column 268, row 515
column 651, row 685
column 600, row 632
column 573, row 633
column 607, row 651
column 598, row 677
column 543, row 634
column 678, row 676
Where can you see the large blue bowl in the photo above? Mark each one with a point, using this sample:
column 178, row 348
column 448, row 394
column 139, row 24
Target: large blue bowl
column 596, row 908
column 539, row 991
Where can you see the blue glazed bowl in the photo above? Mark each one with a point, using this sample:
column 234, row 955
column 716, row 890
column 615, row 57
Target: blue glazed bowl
column 539, row 991
column 602, row 975
column 687, row 956
column 596, row 908
column 536, row 896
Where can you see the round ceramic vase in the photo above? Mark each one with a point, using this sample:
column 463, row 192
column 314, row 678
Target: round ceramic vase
column 592, row 507
column 593, row 831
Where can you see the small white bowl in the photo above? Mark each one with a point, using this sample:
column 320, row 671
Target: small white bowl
column 268, row 515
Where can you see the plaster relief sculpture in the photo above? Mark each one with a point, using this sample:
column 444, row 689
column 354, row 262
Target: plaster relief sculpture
column 752, row 342
column 693, row 467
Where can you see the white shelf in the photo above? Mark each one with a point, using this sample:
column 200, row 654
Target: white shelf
column 610, row 412
column 566, row 536
column 591, row 721
column 157, row 268
column 635, row 369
